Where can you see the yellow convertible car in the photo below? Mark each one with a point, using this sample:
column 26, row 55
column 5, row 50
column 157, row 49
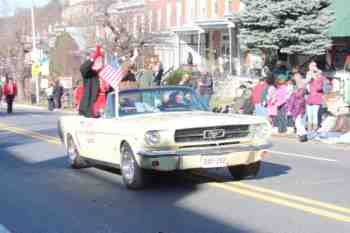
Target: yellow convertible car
column 164, row 129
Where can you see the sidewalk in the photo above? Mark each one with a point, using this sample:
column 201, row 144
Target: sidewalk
column 41, row 108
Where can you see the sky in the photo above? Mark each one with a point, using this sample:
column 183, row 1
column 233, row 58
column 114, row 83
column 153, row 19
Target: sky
column 12, row 4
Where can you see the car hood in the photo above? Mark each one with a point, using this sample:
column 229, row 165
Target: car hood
column 183, row 120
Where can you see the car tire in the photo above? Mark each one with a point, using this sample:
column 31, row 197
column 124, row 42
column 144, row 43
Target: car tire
column 240, row 172
column 75, row 160
column 134, row 177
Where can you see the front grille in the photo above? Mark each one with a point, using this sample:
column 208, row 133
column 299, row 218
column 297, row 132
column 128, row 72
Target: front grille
column 198, row 134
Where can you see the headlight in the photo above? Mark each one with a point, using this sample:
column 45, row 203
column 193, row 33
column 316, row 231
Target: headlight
column 260, row 131
column 152, row 137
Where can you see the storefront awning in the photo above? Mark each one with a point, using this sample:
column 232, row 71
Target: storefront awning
column 215, row 23
column 200, row 26
column 188, row 29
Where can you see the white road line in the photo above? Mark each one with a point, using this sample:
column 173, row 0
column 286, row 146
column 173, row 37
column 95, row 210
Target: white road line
column 3, row 229
column 302, row 156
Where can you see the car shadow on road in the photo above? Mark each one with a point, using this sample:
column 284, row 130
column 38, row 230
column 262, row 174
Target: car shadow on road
column 269, row 169
column 101, row 201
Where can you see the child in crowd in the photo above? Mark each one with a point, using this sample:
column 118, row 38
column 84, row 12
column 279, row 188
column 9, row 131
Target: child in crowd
column 272, row 106
column 314, row 99
column 281, row 91
column 290, row 121
column 296, row 107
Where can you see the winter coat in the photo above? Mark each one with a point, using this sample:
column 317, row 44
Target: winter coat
column 282, row 95
column 158, row 77
column 296, row 104
column 257, row 92
column 315, row 87
column 205, row 85
column 243, row 103
column 49, row 92
column 58, row 91
column 101, row 99
column 78, row 94
column 91, row 85
column 6, row 89
column 272, row 101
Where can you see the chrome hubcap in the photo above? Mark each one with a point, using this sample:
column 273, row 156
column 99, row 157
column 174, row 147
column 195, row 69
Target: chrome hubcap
column 72, row 154
column 128, row 165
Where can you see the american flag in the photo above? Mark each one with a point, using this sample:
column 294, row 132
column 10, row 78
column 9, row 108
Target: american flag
column 111, row 75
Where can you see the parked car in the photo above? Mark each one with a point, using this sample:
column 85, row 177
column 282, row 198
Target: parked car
column 164, row 129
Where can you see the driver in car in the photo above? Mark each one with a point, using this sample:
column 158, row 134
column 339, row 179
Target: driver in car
column 172, row 100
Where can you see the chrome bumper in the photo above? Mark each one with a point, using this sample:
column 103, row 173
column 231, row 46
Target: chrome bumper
column 219, row 150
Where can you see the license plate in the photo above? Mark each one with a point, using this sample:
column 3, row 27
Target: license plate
column 213, row 161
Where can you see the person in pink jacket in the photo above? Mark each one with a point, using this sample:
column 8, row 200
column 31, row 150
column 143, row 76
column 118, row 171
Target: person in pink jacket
column 314, row 99
column 272, row 104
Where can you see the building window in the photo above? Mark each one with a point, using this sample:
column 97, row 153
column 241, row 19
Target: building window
column 189, row 12
column 203, row 10
column 168, row 14
column 178, row 12
column 159, row 12
column 193, row 10
column 215, row 8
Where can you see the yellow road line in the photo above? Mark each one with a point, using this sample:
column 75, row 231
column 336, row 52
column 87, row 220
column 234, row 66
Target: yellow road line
column 253, row 191
column 293, row 197
column 275, row 200
column 35, row 135
column 280, row 194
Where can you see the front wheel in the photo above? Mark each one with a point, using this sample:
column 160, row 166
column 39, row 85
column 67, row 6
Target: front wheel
column 75, row 160
column 240, row 172
column 134, row 177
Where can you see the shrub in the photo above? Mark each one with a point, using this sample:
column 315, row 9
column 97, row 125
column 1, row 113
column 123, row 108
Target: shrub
column 175, row 77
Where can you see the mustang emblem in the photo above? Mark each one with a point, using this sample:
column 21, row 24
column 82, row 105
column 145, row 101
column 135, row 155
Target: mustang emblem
column 213, row 134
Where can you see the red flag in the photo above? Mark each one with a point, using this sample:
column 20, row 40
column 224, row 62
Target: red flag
column 111, row 75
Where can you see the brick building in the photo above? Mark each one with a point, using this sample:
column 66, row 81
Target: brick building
column 199, row 27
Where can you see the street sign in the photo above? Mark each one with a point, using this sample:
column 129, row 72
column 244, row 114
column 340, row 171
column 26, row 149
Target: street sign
column 44, row 83
column 35, row 69
column 66, row 82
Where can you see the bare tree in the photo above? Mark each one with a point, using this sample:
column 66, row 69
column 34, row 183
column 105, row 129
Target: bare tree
column 122, row 30
column 15, row 35
column 13, row 38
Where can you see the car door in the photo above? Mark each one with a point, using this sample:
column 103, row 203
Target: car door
column 107, row 139
column 86, row 139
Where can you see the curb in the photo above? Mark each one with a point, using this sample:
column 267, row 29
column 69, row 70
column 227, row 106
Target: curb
column 290, row 136
column 28, row 106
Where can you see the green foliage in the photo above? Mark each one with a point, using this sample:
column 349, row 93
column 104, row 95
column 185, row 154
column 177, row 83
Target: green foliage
column 176, row 76
column 289, row 26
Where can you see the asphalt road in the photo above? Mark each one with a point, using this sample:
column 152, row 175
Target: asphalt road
column 302, row 188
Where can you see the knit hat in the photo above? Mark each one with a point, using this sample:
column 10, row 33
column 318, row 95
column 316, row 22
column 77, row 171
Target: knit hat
column 282, row 79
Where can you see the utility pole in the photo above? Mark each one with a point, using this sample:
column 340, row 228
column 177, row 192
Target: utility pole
column 34, row 52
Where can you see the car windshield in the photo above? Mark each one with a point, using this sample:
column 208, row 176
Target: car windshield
column 143, row 101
